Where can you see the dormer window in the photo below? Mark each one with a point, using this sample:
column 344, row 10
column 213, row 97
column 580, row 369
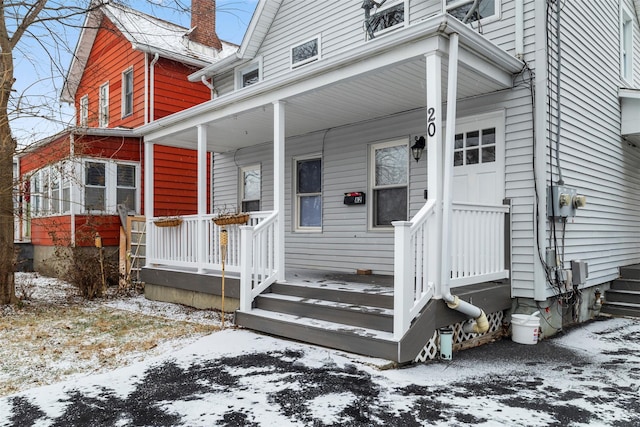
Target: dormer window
column 471, row 10
column 379, row 20
column 248, row 75
column 305, row 52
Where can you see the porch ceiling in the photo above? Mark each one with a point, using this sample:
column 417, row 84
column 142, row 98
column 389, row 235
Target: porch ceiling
column 351, row 91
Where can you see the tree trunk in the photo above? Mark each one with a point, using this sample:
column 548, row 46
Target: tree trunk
column 7, row 251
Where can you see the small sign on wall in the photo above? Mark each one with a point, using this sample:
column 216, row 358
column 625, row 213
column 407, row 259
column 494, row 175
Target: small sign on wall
column 354, row 198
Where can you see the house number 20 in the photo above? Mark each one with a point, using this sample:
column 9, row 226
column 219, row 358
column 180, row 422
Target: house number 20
column 431, row 121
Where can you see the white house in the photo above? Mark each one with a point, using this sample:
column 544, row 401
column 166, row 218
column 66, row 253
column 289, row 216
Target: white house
column 524, row 199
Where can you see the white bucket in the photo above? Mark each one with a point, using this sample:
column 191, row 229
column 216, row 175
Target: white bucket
column 525, row 328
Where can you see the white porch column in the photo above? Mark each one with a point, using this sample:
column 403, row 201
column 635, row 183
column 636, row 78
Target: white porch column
column 434, row 159
column 278, row 182
column 452, row 93
column 202, row 197
column 148, row 196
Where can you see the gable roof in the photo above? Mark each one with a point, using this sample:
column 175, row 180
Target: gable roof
column 147, row 34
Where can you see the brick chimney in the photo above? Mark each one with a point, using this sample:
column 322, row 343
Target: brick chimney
column 203, row 19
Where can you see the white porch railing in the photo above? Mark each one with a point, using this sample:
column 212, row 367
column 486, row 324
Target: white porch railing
column 477, row 243
column 477, row 247
column 195, row 243
column 258, row 259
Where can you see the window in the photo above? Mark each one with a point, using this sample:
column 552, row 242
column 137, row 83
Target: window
column 626, row 46
column 50, row 190
column 84, row 110
column 389, row 182
column 470, row 10
column 475, row 147
column 305, row 52
column 127, row 92
column 126, row 186
column 388, row 17
column 95, row 190
column 250, row 188
column 109, row 184
column 249, row 75
column 103, row 106
column 309, row 194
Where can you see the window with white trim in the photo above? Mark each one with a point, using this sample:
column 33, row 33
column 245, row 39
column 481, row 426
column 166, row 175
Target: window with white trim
column 475, row 147
column 127, row 92
column 103, row 106
column 389, row 182
column 84, row 110
column 305, row 52
column 390, row 16
column 249, row 75
column 472, row 10
column 308, row 194
column 50, row 190
column 626, row 46
column 250, row 186
column 107, row 184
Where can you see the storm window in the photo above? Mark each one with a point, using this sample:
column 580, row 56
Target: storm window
column 471, row 10
column 305, row 52
column 309, row 194
column 389, row 182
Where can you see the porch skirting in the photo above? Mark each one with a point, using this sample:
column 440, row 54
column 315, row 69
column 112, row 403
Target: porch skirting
column 201, row 291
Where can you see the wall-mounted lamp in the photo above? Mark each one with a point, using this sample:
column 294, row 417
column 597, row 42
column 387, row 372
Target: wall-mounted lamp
column 418, row 147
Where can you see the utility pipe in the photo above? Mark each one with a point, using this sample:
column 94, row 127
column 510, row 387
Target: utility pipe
column 478, row 323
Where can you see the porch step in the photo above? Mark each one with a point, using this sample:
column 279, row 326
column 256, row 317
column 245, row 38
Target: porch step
column 339, row 336
column 329, row 310
column 347, row 293
column 623, row 298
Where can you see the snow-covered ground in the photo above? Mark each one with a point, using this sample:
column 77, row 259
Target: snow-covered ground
column 588, row 376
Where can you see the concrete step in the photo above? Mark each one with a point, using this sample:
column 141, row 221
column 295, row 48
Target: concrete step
column 364, row 316
column 351, row 293
column 358, row 340
column 621, row 295
column 621, row 309
column 626, row 284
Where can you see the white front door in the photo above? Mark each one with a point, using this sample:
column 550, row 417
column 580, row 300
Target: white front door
column 478, row 159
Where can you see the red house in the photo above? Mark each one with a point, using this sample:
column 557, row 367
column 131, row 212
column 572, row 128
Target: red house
column 128, row 70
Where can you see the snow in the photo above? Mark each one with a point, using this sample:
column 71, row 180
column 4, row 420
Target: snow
column 589, row 375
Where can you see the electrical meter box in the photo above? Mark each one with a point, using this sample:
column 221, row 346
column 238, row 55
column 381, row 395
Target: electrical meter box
column 560, row 201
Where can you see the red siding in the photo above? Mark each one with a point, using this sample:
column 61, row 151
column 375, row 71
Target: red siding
column 56, row 231
column 173, row 91
column 111, row 55
column 47, row 154
column 116, row 148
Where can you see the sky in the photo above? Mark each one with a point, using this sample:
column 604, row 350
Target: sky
column 39, row 78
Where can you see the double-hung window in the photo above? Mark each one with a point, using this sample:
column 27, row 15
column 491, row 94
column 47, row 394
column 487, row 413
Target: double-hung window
column 626, row 46
column 389, row 182
column 309, row 194
column 472, row 10
column 108, row 184
column 84, row 111
column 95, row 186
column 103, row 106
column 127, row 92
column 250, row 182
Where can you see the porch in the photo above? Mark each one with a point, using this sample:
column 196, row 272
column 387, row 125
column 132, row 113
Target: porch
column 393, row 317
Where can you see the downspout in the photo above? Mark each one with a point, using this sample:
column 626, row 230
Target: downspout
column 478, row 320
column 210, row 85
column 146, row 88
column 152, row 89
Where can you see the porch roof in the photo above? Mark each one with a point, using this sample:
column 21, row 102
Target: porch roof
column 381, row 77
